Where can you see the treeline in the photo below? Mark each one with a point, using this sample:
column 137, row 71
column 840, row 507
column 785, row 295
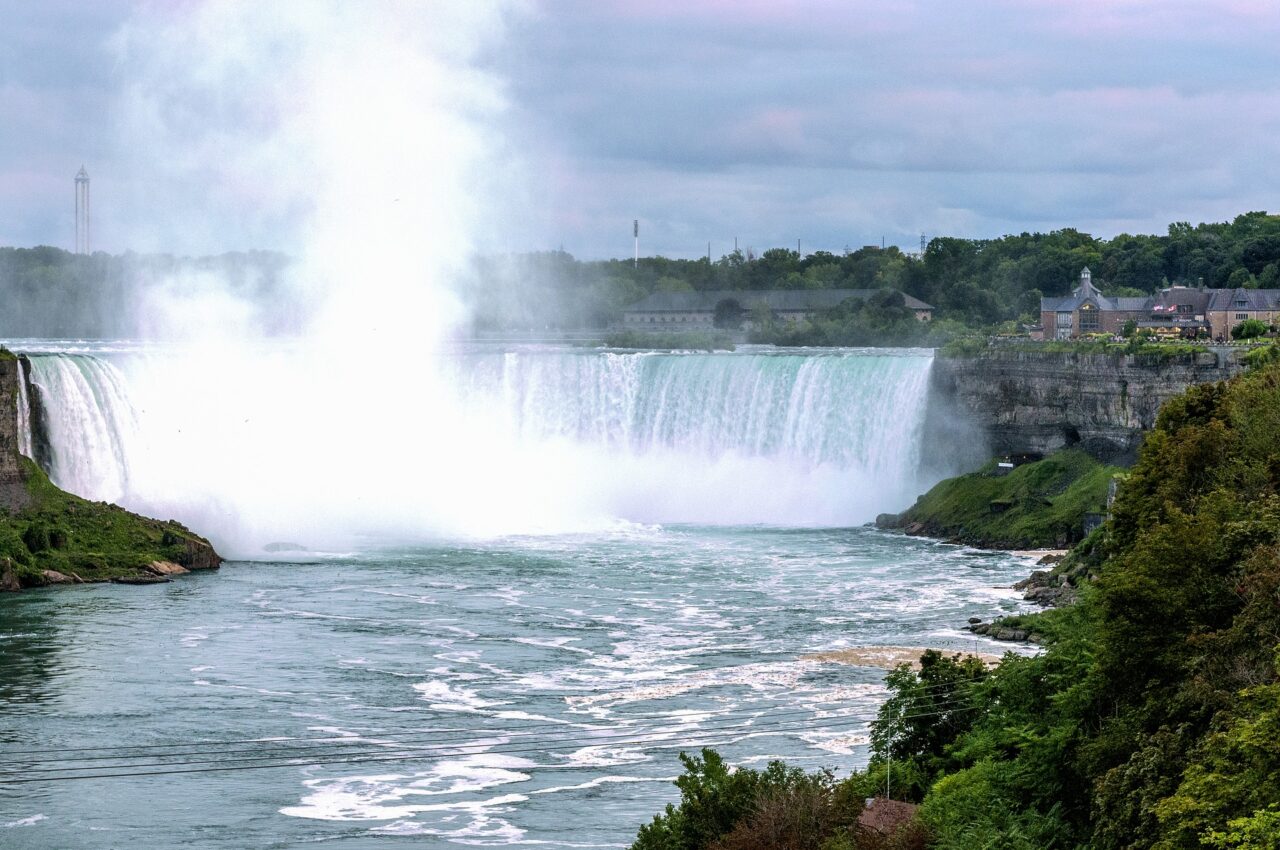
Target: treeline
column 49, row 292
column 972, row 283
column 977, row 282
column 1152, row 720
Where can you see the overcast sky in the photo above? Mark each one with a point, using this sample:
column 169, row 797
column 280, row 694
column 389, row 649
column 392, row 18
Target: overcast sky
column 835, row 123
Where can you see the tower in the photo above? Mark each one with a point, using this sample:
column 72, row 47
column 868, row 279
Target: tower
column 82, row 211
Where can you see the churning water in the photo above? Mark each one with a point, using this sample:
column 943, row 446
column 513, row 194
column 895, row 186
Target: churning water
column 492, row 690
column 537, row 440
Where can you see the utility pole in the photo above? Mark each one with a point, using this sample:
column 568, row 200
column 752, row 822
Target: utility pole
column 708, row 253
column 635, row 229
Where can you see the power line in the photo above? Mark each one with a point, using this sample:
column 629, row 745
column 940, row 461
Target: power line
column 412, row 756
column 347, row 743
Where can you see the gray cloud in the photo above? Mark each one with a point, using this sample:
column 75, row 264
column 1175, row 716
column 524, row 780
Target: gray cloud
column 833, row 122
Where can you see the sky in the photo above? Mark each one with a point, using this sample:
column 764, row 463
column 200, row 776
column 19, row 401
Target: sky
column 838, row 124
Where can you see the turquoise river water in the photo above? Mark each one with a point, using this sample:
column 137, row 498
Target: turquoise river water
column 485, row 689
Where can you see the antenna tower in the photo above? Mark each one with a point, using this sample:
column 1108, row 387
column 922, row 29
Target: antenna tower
column 82, row 211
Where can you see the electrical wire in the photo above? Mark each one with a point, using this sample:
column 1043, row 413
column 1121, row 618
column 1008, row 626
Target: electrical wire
column 413, row 756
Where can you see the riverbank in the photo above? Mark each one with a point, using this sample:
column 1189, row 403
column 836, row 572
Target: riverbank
column 1044, row 504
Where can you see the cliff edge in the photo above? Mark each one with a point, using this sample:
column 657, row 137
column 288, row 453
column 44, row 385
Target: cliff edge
column 49, row 536
column 1038, row 400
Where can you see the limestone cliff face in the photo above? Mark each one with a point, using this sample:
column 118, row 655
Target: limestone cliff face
column 13, row 493
column 1036, row 402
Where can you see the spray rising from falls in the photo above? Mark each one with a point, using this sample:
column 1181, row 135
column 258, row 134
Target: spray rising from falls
column 527, row 441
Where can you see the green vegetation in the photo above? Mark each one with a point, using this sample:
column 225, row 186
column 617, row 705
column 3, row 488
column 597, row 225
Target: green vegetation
column 93, row 541
column 50, row 292
column 676, row 340
column 972, row 345
column 1152, row 719
column 777, row 807
column 1036, row 504
column 1249, row 329
column 972, row 283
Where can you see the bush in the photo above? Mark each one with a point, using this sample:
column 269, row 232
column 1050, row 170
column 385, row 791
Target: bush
column 1249, row 329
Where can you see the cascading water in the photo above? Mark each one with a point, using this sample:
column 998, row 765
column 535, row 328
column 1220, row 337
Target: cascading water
column 570, row 441
column 25, row 443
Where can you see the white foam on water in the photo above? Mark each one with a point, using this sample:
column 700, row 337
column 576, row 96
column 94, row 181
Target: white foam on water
column 446, row 697
column 28, row 821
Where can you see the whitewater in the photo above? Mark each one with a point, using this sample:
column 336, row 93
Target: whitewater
column 492, row 441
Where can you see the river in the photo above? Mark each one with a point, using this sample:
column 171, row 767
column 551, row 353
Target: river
column 483, row 684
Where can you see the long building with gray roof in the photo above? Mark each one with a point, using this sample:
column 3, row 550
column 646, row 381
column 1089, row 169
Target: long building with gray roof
column 697, row 310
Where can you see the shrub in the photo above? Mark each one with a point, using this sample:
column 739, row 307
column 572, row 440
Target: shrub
column 1249, row 329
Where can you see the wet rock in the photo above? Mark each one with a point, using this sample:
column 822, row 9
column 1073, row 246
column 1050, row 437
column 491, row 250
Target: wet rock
column 1049, row 560
column 974, row 620
column 143, row 578
column 199, row 556
column 887, row 521
column 9, row 577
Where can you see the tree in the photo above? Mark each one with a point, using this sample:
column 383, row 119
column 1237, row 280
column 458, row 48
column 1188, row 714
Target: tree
column 729, row 314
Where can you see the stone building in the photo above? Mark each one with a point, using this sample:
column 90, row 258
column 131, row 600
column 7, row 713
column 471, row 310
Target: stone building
column 697, row 310
column 1181, row 310
column 1230, row 307
column 1087, row 311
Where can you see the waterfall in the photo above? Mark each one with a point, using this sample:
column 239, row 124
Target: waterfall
column 91, row 424
column 25, row 445
column 526, row 441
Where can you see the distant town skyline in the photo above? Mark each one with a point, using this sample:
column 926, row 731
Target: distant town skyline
column 832, row 123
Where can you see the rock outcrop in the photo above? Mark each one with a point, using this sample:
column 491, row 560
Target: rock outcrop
column 49, row 536
column 1029, row 402
column 13, row 493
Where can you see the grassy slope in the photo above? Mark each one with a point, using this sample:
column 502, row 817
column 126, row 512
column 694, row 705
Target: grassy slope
column 1037, row 504
column 95, row 540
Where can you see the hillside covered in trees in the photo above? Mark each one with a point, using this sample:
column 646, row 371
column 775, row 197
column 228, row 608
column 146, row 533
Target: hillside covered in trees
column 1151, row 721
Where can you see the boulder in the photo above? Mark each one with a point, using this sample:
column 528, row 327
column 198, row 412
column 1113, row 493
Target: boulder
column 200, row 556
column 55, row 577
column 9, row 577
column 166, row 568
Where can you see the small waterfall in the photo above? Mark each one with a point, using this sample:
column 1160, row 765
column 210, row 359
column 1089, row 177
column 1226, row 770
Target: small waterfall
column 503, row 442
column 25, row 442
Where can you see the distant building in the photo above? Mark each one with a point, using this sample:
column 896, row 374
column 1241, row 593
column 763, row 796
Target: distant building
column 697, row 310
column 1086, row 311
column 1181, row 310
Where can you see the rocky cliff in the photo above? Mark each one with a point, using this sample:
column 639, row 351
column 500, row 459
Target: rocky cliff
column 1027, row 401
column 13, row 494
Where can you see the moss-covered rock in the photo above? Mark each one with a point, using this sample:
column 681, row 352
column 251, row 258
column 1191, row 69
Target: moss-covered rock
column 1040, row 504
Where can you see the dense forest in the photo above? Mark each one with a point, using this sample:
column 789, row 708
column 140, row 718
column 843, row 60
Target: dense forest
column 1152, row 720
column 972, row 283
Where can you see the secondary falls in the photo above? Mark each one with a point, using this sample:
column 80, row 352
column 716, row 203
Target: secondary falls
column 494, row 442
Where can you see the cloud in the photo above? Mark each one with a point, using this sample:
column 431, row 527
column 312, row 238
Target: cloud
column 823, row 119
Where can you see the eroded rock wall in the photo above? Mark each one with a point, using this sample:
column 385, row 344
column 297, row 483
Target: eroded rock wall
column 12, row 491
column 1036, row 402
